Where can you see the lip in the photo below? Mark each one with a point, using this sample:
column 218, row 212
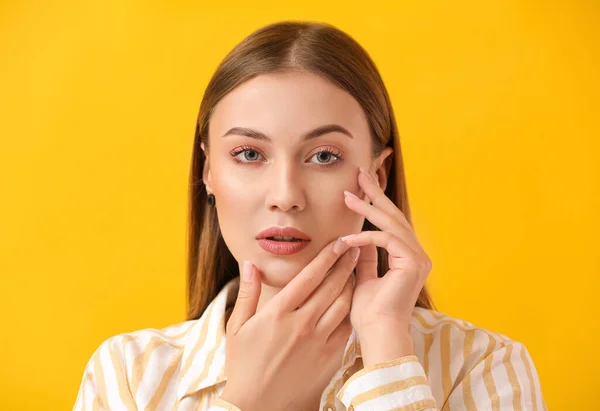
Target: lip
column 282, row 231
column 282, row 247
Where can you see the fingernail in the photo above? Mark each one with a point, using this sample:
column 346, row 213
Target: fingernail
column 348, row 193
column 344, row 238
column 339, row 246
column 247, row 271
column 366, row 173
column 354, row 253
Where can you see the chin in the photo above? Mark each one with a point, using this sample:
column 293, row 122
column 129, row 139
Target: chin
column 281, row 270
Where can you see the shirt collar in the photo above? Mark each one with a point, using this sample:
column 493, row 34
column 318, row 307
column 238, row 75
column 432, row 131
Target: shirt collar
column 203, row 359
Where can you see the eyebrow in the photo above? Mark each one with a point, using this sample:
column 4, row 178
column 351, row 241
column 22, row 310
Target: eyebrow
column 317, row 132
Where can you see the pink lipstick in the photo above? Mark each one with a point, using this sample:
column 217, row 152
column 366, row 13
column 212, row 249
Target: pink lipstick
column 282, row 240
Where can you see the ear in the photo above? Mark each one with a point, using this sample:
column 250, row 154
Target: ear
column 383, row 165
column 206, row 171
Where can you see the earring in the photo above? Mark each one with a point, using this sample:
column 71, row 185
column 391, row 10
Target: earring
column 211, row 199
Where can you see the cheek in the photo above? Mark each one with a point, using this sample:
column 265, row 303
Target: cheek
column 332, row 212
column 236, row 205
column 237, row 199
column 230, row 188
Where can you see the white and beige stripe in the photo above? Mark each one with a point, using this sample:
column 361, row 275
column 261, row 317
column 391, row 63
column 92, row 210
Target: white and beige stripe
column 456, row 366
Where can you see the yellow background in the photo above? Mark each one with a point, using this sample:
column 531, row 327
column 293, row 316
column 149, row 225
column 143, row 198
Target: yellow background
column 497, row 105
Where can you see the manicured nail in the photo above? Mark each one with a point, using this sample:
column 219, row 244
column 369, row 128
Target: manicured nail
column 344, row 238
column 354, row 253
column 348, row 193
column 366, row 173
column 247, row 271
column 339, row 246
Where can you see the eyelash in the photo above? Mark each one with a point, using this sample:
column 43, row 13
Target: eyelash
column 331, row 150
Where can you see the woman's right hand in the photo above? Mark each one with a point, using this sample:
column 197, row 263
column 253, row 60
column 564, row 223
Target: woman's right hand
column 282, row 357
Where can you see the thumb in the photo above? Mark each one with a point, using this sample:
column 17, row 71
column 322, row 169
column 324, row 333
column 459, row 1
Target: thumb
column 247, row 299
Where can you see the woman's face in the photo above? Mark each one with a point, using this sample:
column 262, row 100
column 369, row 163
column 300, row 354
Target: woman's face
column 272, row 175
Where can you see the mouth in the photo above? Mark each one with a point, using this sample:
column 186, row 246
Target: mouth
column 282, row 240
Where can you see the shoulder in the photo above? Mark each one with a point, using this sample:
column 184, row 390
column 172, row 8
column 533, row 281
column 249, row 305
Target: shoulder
column 469, row 366
column 139, row 345
column 426, row 321
column 124, row 368
column 460, row 344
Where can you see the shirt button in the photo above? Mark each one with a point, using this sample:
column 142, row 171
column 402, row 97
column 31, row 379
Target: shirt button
column 328, row 408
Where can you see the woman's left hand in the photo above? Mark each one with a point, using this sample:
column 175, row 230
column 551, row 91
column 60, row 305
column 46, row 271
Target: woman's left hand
column 382, row 307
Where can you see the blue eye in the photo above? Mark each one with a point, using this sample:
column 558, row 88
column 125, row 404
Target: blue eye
column 324, row 157
column 249, row 154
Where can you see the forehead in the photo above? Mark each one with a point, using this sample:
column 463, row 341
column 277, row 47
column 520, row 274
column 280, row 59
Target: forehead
column 287, row 104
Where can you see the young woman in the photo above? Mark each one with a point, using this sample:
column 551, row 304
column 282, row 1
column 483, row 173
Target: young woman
column 306, row 280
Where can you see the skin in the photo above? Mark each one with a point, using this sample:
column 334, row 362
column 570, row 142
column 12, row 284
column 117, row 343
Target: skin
column 291, row 181
column 285, row 185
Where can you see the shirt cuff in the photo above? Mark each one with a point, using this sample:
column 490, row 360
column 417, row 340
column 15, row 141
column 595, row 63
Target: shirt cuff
column 389, row 385
column 222, row 405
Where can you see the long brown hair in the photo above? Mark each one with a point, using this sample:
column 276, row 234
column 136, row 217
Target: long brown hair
column 314, row 47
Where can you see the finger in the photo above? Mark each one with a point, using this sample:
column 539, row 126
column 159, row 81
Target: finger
column 318, row 302
column 381, row 219
column 336, row 312
column 301, row 286
column 340, row 335
column 247, row 298
column 394, row 245
column 377, row 196
column 366, row 266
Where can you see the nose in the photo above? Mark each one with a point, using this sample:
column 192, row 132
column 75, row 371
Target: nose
column 285, row 192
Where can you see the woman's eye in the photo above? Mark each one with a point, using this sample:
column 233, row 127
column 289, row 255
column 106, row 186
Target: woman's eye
column 247, row 155
column 324, row 157
column 250, row 155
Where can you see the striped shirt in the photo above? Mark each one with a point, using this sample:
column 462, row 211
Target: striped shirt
column 456, row 366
